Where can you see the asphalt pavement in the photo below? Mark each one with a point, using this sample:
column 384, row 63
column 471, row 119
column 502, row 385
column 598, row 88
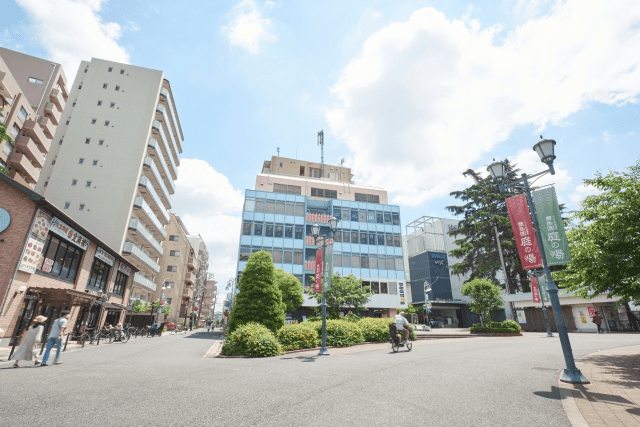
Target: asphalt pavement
column 501, row 381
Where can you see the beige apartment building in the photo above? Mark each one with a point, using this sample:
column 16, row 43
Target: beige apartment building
column 114, row 159
column 33, row 94
column 294, row 167
column 177, row 277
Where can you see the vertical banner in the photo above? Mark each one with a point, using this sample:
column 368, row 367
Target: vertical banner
column 542, row 285
column 318, row 283
column 554, row 239
column 591, row 311
column 535, row 291
column 523, row 232
column 328, row 261
column 32, row 257
column 521, row 316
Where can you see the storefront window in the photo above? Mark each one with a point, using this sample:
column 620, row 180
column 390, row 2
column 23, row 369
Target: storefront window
column 121, row 283
column 99, row 275
column 61, row 259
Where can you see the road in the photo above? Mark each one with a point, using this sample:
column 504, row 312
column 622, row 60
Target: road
column 167, row 381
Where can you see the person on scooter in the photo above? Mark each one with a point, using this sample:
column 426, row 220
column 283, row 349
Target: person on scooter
column 403, row 326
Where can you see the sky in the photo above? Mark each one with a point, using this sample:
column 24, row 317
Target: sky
column 409, row 93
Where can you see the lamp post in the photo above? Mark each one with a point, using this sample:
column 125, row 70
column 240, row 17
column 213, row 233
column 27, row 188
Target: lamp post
column 545, row 314
column 545, row 149
column 427, row 305
column 315, row 231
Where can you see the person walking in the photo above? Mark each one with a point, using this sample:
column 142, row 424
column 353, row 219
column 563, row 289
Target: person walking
column 28, row 350
column 597, row 319
column 55, row 337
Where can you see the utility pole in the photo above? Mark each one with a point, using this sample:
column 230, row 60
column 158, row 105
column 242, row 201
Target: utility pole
column 321, row 144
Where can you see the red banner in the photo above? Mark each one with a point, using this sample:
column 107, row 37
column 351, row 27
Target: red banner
column 592, row 311
column 535, row 291
column 523, row 232
column 318, row 284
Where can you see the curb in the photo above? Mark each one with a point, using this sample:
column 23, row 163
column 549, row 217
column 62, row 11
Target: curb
column 569, row 405
column 215, row 349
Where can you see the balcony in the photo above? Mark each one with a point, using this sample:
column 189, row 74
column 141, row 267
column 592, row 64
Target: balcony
column 140, row 280
column 191, row 262
column 138, row 258
column 190, row 278
column 8, row 88
column 138, row 233
column 35, row 132
column 166, row 98
column 156, row 154
column 21, row 163
column 187, row 292
column 158, row 129
column 26, row 146
column 57, row 98
column 52, row 112
column 153, row 174
column 161, row 115
column 150, row 195
column 144, row 210
column 47, row 126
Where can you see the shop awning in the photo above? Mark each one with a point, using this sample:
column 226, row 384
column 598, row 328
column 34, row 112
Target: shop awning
column 113, row 306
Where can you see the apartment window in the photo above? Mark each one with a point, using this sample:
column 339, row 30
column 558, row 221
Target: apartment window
column 315, row 173
column 172, row 268
column 113, row 104
column 169, row 284
column 110, row 69
column 87, row 140
column 67, row 122
column 88, row 183
column 53, row 162
column 287, row 189
column 80, row 86
column 120, row 284
column 93, row 121
column 61, row 259
column 246, row 228
column 80, row 160
column 174, row 238
column 60, row 142
column 15, row 130
column 95, row 162
column 73, row 105
column 328, row 194
column 257, row 229
column 106, row 122
column 46, row 183
column 299, row 232
column 99, row 276
column 36, row 81
column 245, row 253
column 7, row 148
column 121, row 71
column 117, row 88
column 268, row 230
column 99, row 103
column 101, row 142
column 104, row 85
column 66, row 205
column 74, row 182
column 395, row 218
column 81, row 207
column 22, row 115
column 369, row 198
column 85, row 70
column 174, row 253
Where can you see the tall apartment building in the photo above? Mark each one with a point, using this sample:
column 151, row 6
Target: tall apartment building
column 33, row 94
column 114, row 160
column 292, row 195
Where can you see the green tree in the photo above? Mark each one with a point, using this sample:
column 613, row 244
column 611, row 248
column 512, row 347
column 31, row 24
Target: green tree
column 141, row 306
column 345, row 292
column 259, row 299
column 291, row 289
column 605, row 240
column 485, row 297
column 483, row 210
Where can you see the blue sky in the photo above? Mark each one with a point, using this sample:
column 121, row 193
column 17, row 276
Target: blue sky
column 410, row 93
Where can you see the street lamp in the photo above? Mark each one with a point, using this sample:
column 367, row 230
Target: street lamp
column 427, row 289
column 315, row 231
column 545, row 149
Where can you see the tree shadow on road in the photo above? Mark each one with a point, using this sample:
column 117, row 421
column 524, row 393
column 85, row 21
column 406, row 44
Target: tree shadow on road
column 204, row 335
column 621, row 367
column 580, row 392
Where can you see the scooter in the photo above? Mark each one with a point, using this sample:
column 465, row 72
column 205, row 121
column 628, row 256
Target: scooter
column 395, row 339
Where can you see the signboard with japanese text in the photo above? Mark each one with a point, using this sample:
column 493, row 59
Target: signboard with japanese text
column 535, row 291
column 542, row 285
column 61, row 229
column 318, row 283
column 32, row 253
column 105, row 256
column 328, row 260
column 523, row 232
column 521, row 317
column 591, row 311
column 124, row 268
column 554, row 239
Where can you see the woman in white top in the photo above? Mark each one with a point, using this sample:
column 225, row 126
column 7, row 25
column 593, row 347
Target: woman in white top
column 27, row 349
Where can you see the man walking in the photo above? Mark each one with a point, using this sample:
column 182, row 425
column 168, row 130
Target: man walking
column 55, row 337
column 597, row 319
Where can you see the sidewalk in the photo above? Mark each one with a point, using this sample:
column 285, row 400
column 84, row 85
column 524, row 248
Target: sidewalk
column 613, row 396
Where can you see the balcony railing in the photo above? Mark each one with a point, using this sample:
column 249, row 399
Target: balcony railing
column 156, row 153
column 174, row 116
column 140, row 204
column 162, row 111
column 191, row 262
column 147, row 189
column 150, row 165
column 142, row 258
column 57, row 98
column 146, row 237
column 47, row 126
column 52, row 112
column 157, row 126
column 21, row 163
column 140, row 280
column 25, row 145
column 190, row 278
column 35, row 132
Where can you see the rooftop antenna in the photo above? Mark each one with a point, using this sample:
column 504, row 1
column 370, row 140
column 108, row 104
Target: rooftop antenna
column 341, row 162
column 321, row 144
column 278, row 149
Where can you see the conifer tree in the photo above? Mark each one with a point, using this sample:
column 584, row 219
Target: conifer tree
column 259, row 299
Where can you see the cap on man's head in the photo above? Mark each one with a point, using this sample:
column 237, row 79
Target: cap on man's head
column 402, row 312
column 65, row 312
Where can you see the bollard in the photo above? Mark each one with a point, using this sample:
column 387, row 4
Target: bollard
column 65, row 342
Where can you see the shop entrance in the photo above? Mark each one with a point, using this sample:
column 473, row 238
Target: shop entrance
column 26, row 316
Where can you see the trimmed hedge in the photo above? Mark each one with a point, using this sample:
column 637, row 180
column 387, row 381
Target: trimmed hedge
column 504, row 327
column 340, row 333
column 251, row 339
column 301, row 335
column 375, row 329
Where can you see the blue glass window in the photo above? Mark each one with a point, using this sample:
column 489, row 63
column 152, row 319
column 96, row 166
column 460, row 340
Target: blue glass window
column 379, row 218
column 346, row 236
column 337, row 213
column 268, row 230
column 372, row 238
column 387, row 217
column 246, row 228
column 355, row 237
column 371, row 216
column 299, row 232
column 364, row 261
column 363, row 237
column 354, row 215
column 257, row 229
column 337, row 236
column 288, row 232
column 279, row 231
column 389, row 240
column 373, row 261
column 381, row 239
column 396, row 218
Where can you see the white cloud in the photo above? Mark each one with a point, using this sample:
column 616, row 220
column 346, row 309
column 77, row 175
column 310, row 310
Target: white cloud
column 209, row 205
column 72, row 31
column 528, row 161
column 248, row 29
column 427, row 98
column 269, row 4
column 581, row 192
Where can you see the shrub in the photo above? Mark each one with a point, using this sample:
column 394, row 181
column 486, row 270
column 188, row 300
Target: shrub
column 301, row 335
column 251, row 339
column 511, row 324
column 340, row 333
column 375, row 330
column 497, row 327
column 314, row 319
column 352, row 317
